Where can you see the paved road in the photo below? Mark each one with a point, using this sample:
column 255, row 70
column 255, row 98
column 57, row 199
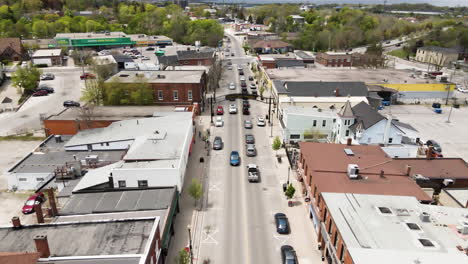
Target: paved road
column 67, row 86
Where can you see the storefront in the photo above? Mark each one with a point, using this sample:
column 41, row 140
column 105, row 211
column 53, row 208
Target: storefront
column 95, row 42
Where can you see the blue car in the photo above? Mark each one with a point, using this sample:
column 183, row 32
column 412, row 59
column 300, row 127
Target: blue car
column 235, row 159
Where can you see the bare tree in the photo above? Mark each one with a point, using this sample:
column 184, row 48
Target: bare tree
column 86, row 113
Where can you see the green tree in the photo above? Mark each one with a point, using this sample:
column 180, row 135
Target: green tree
column 40, row 28
column 276, row 144
column 92, row 93
column 195, row 190
column 25, row 79
column 290, row 191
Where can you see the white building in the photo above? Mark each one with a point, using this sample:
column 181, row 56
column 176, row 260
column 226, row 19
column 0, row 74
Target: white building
column 157, row 150
column 48, row 57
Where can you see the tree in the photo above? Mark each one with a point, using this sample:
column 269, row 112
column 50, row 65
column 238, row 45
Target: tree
column 92, row 93
column 183, row 257
column 290, row 191
column 25, row 79
column 313, row 135
column 195, row 190
column 276, row 144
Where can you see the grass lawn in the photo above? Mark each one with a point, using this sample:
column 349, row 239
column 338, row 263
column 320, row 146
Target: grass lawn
column 400, row 53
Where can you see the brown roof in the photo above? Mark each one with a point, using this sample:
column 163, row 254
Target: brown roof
column 444, row 168
column 14, row 43
column 328, row 164
column 19, row 257
column 271, row 44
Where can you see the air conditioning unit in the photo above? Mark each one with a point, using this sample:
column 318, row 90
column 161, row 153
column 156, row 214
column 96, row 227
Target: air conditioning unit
column 353, row 171
column 463, row 228
column 425, row 217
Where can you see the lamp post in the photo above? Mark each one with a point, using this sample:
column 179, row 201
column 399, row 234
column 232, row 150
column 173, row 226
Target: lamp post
column 289, row 170
column 190, row 244
column 450, row 113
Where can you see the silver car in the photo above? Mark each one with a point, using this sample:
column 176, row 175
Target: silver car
column 247, row 124
column 251, row 150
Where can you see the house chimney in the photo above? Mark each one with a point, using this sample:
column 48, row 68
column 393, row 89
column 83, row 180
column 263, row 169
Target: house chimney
column 337, row 92
column 111, row 181
column 52, row 203
column 408, row 170
column 429, row 153
column 16, row 222
column 42, row 246
column 349, row 141
column 382, row 174
column 39, row 214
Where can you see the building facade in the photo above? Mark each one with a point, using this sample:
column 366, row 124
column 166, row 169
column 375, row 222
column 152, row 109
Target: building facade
column 49, row 57
column 12, row 49
column 437, row 55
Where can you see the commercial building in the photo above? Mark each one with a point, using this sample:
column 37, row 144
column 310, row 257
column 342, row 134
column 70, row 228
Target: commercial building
column 11, row 49
column 170, row 87
column 364, row 229
column 271, row 47
column 196, row 57
column 48, row 57
column 454, row 197
column 100, row 40
column 437, row 55
column 346, row 59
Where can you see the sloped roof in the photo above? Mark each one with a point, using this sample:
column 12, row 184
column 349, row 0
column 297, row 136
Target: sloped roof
column 276, row 43
column 366, row 115
column 440, row 49
column 318, row 89
column 14, row 43
column 171, row 60
column 346, row 110
column 122, row 58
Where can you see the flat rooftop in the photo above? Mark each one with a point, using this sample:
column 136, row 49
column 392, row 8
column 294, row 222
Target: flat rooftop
column 330, row 74
column 114, row 112
column 158, row 76
column 459, row 195
column 47, row 52
column 308, row 111
column 372, row 236
column 86, row 35
column 51, row 154
column 91, row 238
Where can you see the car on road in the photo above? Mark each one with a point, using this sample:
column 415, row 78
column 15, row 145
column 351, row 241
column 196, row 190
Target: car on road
column 244, row 90
column 149, row 48
column 248, row 124
column 245, row 103
column 251, row 151
column 252, row 86
column 232, row 86
column 229, row 63
column 242, row 78
column 229, row 67
column 241, row 72
column 234, row 158
column 218, row 143
column 87, row 75
column 282, row 224
column 461, row 89
column 144, row 58
column 37, row 198
column 70, row 103
column 243, row 84
column 288, row 255
column 219, row 122
column 45, row 87
column 436, row 147
column 47, row 76
column 253, row 175
column 251, row 78
column 220, row 110
column 40, row 93
column 260, row 121
column 249, row 139
column 233, row 109
column 245, row 111
column 232, row 54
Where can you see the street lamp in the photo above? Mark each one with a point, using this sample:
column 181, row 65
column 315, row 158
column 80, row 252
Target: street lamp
column 190, row 244
column 289, row 169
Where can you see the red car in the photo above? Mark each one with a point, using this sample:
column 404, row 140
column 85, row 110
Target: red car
column 87, row 75
column 34, row 199
column 40, row 93
column 220, row 110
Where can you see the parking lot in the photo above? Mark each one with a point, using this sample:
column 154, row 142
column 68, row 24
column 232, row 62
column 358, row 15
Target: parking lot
column 452, row 135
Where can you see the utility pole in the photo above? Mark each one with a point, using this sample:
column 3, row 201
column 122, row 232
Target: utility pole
column 211, row 105
column 450, row 113
column 447, row 86
column 269, row 110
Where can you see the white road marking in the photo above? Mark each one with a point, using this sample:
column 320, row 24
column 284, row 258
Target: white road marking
column 209, row 237
column 282, row 239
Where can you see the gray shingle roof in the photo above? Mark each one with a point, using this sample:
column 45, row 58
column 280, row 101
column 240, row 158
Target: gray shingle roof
column 366, row 115
column 321, row 89
column 168, row 60
column 193, row 54
column 122, row 58
column 289, row 63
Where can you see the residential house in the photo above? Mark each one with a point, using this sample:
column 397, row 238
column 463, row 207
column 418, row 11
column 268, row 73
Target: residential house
column 49, row 57
column 196, row 57
column 271, row 47
column 437, row 55
column 11, row 49
column 364, row 229
column 170, row 87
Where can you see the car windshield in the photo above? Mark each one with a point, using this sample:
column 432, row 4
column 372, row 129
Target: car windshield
column 282, row 222
column 29, row 202
column 290, row 261
column 234, row 156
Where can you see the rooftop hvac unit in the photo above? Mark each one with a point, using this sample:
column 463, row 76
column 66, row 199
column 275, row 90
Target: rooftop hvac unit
column 91, row 159
column 353, row 171
column 161, row 76
column 463, row 228
column 425, row 217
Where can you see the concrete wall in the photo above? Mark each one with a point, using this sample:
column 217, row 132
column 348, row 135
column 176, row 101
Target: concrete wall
column 434, row 57
column 25, row 181
column 156, row 177
column 298, row 124
column 118, row 145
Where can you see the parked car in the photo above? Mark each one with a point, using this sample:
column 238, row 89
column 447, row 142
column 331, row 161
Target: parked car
column 232, row 54
column 282, row 224
column 70, row 103
column 24, row 63
column 242, row 78
column 149, row 48
column 244, row 90
column 245, row 103
column 218, row 143
column 229, row 67
column 253, row 174
column 251, row 150
column 461, row 89
column 245, row 111
column 229, row 63
column 37, row 198
column 45, row 87
column 251, row 78
column 252, row 86
column 249, row 139
column 87, row 75
column 288, row 255
column 436, row 147
column 40, row 93
column 47, row 76
column 241, row 72
column 234, row 158
column 248, row 124
column 260, row 121
column 219, row 122
column 232, row 86
column 233, row 109
column 243, row 84
column 144, row 58
column 220, row 110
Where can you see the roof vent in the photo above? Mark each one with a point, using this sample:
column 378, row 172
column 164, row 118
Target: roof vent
column 349, row 152
column 463, row 228
column 123, row 75
column 161, row 76
column 425, row 217
column 353, row 171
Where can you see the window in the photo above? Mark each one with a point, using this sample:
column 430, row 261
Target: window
column 341, row 253
column 329, row 227
column 22, row 179
column 336, row 238
column 294, row 136
column 107, row 144
column 334, row 120
column 315, row 123
column 413, row 226
column 122, row 184
column 385, row 210
column 390, row 140
column 347, row 133
column 189, row 95
column 143, row 184
column 426, row 242
column 160, row 95
column 176, row 95
column 324, row 123
column 40, row 179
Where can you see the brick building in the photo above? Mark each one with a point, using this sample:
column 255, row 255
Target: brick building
column 345, row 59
column 196, row 57
column 170, row 87
column 364, row 229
